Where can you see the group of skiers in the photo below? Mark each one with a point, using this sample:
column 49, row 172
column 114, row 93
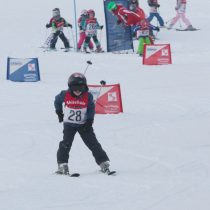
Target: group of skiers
column 133, row 16
column 88, row 26
column 75, row 106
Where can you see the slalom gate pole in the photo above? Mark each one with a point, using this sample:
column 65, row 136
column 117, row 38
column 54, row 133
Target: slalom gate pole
column 88, row 63
column 102, row 82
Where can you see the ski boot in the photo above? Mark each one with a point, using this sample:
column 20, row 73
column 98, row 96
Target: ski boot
column 63, row 169
column 105, row 166
column 67, row 49
column 85, row 50
column 99, row 49
column 190, row 28
column 170, row 26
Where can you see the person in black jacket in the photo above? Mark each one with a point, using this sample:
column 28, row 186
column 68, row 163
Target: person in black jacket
column 77, row 116
column 57, row 23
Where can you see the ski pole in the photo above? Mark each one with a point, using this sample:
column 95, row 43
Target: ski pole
column 73, row 38
column 88, row 63
column 100, row 36
column 180, row 25
column 168, row 21
column 69, row 37
column 103, row 83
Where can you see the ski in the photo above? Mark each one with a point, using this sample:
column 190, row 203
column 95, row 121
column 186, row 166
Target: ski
column 109, row 173
column 74, row 175
column 193, row 29
column 70, row 175
column 65, row 48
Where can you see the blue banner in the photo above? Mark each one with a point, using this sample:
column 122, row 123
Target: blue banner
column 118, row 38
column 23, row 69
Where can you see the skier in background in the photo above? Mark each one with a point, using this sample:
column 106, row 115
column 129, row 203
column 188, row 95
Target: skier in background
column 125, row 17
column 81, row 23
column 57, row 23
column 91, row 27
column 153, row 4
column 76, row 109
column 142, row 31
column 134, row 6
column 181, row 10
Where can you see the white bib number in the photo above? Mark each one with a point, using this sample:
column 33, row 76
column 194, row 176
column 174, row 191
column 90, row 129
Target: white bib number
column 77, row 116
column 142, row 33
column 91, row 29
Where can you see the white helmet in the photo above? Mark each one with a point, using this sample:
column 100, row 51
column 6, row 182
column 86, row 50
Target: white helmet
column 84, row 12
column 56, row 12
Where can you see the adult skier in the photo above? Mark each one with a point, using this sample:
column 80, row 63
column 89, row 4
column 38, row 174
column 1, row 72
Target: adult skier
column 76, row 109
column 180, row 14
column 57, row 23
column 124, row 16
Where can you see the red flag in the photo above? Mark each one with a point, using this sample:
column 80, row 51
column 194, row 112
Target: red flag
column 107, row 98
column 157, row 54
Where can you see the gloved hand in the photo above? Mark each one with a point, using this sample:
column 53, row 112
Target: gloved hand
column 70, row 25
column 88, row 124
column 118, row 22
column 60, row 115
column 48, row 25
column 158, row 5
column 157, row 29
column 101, row 27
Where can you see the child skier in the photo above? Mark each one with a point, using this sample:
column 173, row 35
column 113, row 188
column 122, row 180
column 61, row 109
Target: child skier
column 153, row 4
column 81, row 23
column 91, row 26
column 181, row 9
column 142, row 34
column 57, row 23
column 78, row 116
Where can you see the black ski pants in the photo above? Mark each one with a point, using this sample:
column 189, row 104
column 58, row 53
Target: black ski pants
column 88, row 137
column 95, row 39
column 62, row 37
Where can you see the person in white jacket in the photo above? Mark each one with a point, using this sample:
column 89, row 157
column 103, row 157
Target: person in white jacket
column 181, row 10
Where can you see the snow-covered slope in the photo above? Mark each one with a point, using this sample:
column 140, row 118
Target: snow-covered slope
column 160, row 145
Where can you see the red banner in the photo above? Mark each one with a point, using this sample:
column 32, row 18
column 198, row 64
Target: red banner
column 107, row 98
column 157, row 54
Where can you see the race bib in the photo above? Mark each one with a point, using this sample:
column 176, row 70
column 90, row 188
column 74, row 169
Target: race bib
column 91, row 29
column 76, row 116
column 143, row 33
column 75, row 109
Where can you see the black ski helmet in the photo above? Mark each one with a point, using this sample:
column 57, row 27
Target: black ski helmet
column 77, row 81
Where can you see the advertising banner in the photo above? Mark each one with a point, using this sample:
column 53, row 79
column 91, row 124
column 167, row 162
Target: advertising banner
column 157, row 54
column 119, row 38
column 107, row 98
column 23, row 69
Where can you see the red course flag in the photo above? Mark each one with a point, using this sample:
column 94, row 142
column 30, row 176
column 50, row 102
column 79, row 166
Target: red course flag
column 157, row 54
column 107, row 98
